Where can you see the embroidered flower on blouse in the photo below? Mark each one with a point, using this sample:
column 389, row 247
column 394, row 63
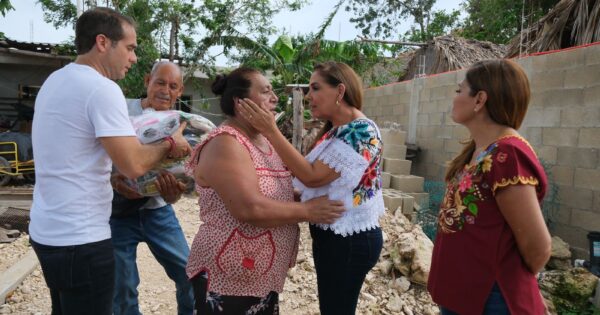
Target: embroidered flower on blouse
column 465, row 182
column 501, row 157
column 460, row 204
column 356, row 200
column 486, row 166
column 470, row 219
column 356, row 133
column 361, row 135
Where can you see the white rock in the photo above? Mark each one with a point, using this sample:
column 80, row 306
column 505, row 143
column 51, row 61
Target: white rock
column 385, row 266
column 402, row 284
column 369, row 297
column 394, row 304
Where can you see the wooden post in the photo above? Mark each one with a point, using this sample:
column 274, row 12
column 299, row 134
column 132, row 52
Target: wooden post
column 297, row 118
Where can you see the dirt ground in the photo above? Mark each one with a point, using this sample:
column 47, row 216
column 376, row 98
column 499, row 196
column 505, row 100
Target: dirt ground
column 157, row 291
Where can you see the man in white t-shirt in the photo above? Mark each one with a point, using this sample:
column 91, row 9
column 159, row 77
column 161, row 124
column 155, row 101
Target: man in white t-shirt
column 80, row 125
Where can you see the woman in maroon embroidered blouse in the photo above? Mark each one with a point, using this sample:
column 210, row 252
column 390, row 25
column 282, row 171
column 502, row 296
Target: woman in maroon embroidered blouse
column 249, row 237
column 492, row 238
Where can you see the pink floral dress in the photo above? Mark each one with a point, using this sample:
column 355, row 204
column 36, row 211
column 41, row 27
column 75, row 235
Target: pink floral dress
column 240, row 259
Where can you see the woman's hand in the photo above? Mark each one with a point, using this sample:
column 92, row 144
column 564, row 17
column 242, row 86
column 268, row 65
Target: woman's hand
column 258, row 116
column 323, row 210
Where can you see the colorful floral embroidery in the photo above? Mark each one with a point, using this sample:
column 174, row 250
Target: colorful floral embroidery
column 462, row 194
column 362, row 135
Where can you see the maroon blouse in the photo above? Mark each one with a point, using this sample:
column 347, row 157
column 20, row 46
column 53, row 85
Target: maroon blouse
column 475, row 246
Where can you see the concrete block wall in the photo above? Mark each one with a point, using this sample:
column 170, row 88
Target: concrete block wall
column 562, row 124
column 398, row 185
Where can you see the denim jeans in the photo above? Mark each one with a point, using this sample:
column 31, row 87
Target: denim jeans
column 80, row 277
column 160, row 230
column 495, row 304
column 342, row 264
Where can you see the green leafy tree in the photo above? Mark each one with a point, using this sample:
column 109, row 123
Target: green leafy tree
column 498, row 21
column 441, row 23
column 5, row 6
column 380, row 18
column 181, row 29
column 291, row 59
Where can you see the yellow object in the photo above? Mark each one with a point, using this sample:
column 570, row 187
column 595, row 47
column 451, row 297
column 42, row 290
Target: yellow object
column 10, row 164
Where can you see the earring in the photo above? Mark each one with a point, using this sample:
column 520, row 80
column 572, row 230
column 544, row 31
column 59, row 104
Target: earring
column 337, row 102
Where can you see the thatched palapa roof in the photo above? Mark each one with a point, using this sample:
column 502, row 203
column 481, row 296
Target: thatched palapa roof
column 569, row 23
column 446, row 53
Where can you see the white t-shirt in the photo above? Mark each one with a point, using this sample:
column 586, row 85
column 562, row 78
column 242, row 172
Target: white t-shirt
column 72, row 195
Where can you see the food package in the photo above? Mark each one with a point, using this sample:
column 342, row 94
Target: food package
column 153, row 126
column 146, row 184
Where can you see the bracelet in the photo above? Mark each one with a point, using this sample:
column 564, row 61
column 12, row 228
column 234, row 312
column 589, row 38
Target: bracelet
column 171, row 143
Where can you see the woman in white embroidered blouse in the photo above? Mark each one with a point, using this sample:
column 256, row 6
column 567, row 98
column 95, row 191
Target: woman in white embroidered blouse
column 344, row 164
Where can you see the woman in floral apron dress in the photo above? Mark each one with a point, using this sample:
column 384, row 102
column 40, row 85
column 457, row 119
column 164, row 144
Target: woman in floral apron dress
column 248, row 238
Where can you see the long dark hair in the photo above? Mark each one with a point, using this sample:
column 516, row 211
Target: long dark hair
column 508, row 95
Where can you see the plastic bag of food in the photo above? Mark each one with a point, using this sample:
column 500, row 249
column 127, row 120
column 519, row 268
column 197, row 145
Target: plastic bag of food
column 146, row 184
column 197, row 122
column 152, row 126
column 155, row 125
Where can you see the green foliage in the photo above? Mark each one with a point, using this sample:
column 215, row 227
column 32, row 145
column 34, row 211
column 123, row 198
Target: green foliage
column 441, row 23
column 5, row 6
column 485, row 23
column 181, row 29
column 380, row 17
column 291, row 59
column 60, row 13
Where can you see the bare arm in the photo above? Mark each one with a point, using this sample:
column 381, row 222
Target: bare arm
column 316, row 174
column 226, row 166
column 134, row 159
column 520, row 208
column 131, row 158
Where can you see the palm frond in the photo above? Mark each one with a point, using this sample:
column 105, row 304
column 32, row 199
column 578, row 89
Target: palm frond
column 569, row 23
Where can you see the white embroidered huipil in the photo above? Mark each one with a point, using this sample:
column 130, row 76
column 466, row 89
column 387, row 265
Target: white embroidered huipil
column 354, row 151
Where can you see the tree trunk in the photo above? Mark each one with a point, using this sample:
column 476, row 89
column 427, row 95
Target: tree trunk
column 173, row 46
column 298, row 118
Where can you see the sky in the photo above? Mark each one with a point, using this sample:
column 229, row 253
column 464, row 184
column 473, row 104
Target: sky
column 26, row 22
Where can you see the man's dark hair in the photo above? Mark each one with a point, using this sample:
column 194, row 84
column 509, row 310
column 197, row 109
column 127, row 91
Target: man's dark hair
column 97, row 21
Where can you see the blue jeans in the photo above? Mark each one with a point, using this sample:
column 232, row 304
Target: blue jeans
column 495, row 304
column 342, row 264
column 160, row 229
column 80, row 277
